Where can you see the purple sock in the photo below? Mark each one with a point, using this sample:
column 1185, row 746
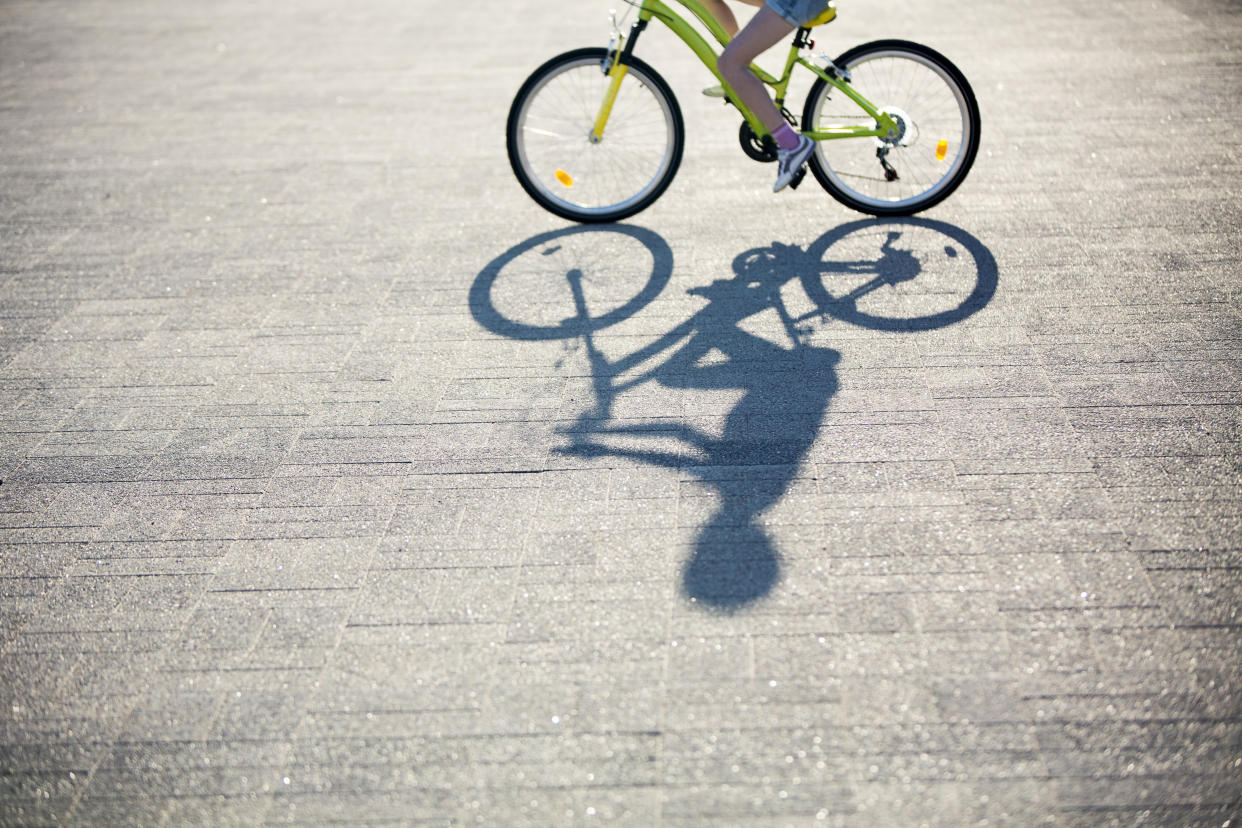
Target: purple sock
column 785, row 137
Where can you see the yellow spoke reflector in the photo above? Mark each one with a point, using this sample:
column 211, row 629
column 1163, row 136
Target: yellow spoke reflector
column 568, row 180
column 942, row 149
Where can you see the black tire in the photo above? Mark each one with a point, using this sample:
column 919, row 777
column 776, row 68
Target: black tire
column 566, row 93
column 849, row 169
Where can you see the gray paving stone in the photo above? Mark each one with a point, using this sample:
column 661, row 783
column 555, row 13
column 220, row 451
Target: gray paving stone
column 293, row 531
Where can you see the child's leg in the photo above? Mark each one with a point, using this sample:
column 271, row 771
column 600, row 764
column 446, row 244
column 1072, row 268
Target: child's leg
column 724, row 14
column 766, row 29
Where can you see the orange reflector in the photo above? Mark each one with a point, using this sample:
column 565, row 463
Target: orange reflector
column 942, row 149
column 564, row 178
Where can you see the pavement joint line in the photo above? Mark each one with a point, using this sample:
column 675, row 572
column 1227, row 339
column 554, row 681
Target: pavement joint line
column 852, row 595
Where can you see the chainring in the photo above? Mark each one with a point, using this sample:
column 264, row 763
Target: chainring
column 763, row 150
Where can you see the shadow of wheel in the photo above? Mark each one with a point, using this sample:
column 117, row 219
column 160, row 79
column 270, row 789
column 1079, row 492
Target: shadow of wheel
column 503, row 305
column 961, row 302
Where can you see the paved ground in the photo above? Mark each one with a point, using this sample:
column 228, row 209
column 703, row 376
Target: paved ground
column 314, row 510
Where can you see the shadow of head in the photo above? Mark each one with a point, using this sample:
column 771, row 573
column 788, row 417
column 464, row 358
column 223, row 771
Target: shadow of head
column 732, row 566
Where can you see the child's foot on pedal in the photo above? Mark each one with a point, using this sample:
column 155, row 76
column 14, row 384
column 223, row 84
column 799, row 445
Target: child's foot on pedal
column 716, row 91
column 790, row 161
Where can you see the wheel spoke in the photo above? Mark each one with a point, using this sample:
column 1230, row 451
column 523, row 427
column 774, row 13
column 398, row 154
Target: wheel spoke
column 923, row 93
column 557, row 163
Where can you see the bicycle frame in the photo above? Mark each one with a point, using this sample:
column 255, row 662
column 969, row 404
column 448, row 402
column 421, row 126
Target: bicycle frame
column 657, row 9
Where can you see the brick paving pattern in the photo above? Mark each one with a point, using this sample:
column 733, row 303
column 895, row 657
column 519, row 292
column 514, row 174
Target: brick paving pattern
column 318, row 503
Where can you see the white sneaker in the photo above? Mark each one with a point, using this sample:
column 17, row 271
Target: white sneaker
column 716, row 91
column 790, row 161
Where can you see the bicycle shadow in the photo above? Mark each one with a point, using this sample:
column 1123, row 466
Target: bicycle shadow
column 864, row 273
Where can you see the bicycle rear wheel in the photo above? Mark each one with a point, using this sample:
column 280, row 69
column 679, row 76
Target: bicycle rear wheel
column 938, row 129
column 554, row 159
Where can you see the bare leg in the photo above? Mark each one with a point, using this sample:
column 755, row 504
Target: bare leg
column 723, row 13
column 765, row 30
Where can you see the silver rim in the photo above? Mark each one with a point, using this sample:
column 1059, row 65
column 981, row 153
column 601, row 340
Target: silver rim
column 931, row 107
column 553, row 128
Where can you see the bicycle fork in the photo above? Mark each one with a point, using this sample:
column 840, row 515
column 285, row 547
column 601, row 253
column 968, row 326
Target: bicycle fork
column 615, row 68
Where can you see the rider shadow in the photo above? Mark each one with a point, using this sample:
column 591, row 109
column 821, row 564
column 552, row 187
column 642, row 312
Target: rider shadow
column 758, row 453
column 786, row 382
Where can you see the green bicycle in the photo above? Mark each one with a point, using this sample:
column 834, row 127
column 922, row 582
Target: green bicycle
column 596, row 135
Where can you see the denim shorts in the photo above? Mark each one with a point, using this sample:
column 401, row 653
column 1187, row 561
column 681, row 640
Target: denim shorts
column 798, row 12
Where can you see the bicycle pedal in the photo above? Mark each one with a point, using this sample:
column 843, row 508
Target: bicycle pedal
column 797, row 179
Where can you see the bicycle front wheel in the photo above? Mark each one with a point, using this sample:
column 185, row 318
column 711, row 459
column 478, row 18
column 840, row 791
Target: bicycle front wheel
column 561, row 168
column 936, row 139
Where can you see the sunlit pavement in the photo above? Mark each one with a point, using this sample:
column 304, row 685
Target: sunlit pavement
column 343, row 483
